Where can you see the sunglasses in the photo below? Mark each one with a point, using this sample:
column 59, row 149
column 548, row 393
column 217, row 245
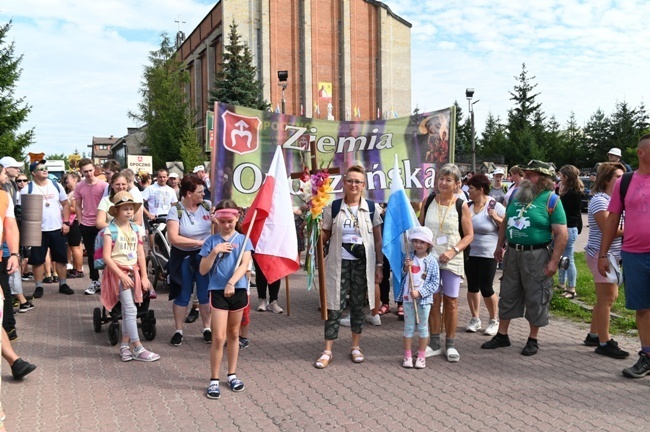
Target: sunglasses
column 40, row 169
column 22, row 181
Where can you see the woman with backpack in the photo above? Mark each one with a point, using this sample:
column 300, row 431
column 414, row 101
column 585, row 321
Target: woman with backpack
column 450, row 220
column 571, row 190
column 188, row 225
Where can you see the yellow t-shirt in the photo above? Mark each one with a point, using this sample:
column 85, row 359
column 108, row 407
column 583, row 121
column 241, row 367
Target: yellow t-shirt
column 125, row 249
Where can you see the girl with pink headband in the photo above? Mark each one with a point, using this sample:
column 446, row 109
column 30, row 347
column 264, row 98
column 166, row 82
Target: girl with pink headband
column 228, row 291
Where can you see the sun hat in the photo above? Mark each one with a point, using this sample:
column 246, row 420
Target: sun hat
column 33, row 165
column 614, row 274
column 615, row 151
column 9, row 162
column 543, row 168
column 121, row 198
column 421, row 233
column 498, row 171
column 198, row 168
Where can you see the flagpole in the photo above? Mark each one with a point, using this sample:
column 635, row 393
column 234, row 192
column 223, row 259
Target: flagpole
column 248, row 235
column 411, row 283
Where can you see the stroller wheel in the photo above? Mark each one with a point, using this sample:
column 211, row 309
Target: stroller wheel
column 149, row 326
column 97, row 320
column 114, row 333
column 152, row 271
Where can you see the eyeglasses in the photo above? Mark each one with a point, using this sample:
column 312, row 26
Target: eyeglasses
column 354, row 182
column 21, row 181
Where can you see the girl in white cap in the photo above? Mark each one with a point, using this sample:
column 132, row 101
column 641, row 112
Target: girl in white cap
column 418, row 287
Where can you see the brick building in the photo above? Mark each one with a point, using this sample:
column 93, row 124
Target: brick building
column 101, row 149
column 356, row 52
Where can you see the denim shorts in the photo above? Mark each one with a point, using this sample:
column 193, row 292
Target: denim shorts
column 636, row 277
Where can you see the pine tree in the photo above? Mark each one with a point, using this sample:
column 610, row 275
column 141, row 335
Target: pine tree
column 598, row 138
column 463, row 136
column 236, row 80
column 190, row 150
column 525, row 126
column 493, row 141
column 165, row 106
column 13, row 111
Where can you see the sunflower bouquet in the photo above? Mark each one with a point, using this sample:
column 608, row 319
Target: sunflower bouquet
column 315, row 192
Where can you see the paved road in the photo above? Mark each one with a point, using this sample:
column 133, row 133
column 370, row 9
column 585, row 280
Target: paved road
column 81, row 384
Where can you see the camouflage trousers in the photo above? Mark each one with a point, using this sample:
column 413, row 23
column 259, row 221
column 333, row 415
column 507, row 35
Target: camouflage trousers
column 354, row 283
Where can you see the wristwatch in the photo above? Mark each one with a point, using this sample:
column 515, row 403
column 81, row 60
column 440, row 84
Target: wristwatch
column 456, row 250
column 16, row 254
column 66, row 223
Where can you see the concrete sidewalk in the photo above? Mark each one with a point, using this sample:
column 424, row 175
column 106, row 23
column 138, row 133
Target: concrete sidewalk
column 81, row 384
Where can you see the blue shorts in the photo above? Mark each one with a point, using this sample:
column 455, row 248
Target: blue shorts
column 636, row 277
column 189, row 275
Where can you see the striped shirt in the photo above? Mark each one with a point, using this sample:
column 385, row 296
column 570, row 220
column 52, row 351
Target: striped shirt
column 598, row 203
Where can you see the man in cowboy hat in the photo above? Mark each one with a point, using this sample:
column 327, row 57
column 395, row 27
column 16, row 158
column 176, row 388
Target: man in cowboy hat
column 533, row 218
column 615, row 155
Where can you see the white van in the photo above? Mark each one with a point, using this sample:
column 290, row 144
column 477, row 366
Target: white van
column 56, row 167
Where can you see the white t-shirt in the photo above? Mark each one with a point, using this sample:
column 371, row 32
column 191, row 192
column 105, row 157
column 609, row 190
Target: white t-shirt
column 350, row 232
column 159, row 198
column 52, row 199
column 418, row 271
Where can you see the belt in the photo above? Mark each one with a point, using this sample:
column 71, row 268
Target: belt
column 520, row 248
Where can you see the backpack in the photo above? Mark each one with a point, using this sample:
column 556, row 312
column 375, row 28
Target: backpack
column 30, row 186
column 180, row 210
column 98, row 257
column 626, row 179
column 459, row 210
column 336, row 208
column 551, row 203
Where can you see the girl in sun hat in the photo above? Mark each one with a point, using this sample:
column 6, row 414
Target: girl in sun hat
column 125, row 276
column 417, row 290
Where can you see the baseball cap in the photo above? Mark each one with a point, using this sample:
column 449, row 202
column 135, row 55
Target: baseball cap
column 173, row 175
column 615, row 151
column 198, row 168
column 498, row 171
column 33, row 165
column 421, row 233
column 9, row 162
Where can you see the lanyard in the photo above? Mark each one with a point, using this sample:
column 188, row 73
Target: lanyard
column 441, row 216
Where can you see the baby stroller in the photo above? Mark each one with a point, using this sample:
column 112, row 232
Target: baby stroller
column 158, row 254
column 146, row 316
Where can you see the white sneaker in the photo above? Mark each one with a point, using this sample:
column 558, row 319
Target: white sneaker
column 261, row 305
column 275, row 307
column 345, row 321
column 94, row 288
column 374, row 319
column 430, row 352
column 408, row 362
column 452, row 355
column 492, row 328
column 68, row 266
column 420, row 363
column 474, row 325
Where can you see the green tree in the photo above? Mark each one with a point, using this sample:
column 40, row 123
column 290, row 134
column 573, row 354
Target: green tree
column 493, row 141
column 190, row 150
column 235, row 81
column 13, row 110
column 165, row 107
column 525, row 125
column 598, row 138
column 627, row 126
column 463, row 135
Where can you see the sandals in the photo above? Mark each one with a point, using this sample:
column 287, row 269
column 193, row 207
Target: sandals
column 569, row 294
column 324, row 360
column 385, row 308
column 146, row 356
column 126, row 353
column 357, row 355
column 400, row 313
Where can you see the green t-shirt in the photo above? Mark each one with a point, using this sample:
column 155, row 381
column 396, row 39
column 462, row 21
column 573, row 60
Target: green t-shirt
column 531, row 224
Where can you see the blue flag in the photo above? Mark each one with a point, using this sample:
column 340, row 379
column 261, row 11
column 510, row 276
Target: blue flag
column 398, row 218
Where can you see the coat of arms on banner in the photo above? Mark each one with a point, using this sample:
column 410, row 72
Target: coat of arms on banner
column 241, row 134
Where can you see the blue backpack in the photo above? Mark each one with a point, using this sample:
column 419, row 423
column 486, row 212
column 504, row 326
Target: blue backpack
column 98, row 258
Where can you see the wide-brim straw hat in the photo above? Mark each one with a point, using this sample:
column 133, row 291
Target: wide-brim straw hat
column 121, row 198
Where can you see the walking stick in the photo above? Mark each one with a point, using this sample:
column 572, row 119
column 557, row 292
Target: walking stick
column 411, row 283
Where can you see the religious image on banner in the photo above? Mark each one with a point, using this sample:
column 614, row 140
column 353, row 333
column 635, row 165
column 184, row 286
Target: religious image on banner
column 245, row 141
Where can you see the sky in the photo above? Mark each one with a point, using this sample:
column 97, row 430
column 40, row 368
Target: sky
column 83, row 60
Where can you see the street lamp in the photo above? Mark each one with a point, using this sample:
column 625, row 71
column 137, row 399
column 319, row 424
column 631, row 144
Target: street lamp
column 469, row 93
column 283, row 76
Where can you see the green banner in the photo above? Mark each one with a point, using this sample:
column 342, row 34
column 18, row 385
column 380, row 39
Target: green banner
column 245, row 140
